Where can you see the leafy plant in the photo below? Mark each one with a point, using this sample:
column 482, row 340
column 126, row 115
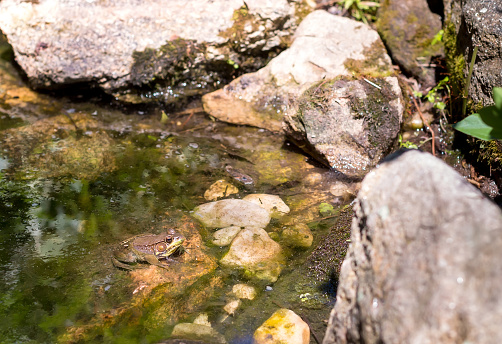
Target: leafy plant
column 360, row 10
column 487, row 124
column 433, row 96
column 406, row 144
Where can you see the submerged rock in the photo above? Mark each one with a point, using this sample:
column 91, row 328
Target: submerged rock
column 425, row 260
column 146, row 50
column 256, row 253
column 325, row 46
column 347, row 125
column 298, row 235
column 197, row 332
column 220, row 189
column 224, row 236
column 284, row 326
column 231, row 212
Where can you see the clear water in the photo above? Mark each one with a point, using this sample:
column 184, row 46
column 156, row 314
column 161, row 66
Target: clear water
column 76, row 178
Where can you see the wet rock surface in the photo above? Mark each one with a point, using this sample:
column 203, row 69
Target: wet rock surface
column 324, row 47
column 284, row 326
column 424, row 263
column 147, row 50
column 347, row 125
column 408, row 29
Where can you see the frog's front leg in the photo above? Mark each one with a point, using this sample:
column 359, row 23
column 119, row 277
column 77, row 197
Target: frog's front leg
column 152, row 260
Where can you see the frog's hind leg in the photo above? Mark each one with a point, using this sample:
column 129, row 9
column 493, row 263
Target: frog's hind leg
column 124, row 266
column 152, row 260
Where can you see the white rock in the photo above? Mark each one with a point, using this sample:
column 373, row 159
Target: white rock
column 253, row 251
column 224, row 236
column 272, row 203
column 231, row 212
column 232, row 306
column 284, row 326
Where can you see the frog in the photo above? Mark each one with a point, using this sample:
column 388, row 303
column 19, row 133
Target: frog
column 148, row 248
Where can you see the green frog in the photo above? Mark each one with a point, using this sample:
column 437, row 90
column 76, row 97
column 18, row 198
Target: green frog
column 148, row 248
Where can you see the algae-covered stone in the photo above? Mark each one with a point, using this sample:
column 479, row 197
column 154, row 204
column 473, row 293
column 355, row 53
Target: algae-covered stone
column 231, row 212
column 197, row 332
column 349, row 125
column 325, row 47
column 408, row 28
column 284, row 326
column 272, row 203
column 224, row 236
column 220, row 189
column 143, row 51
column 298, row 235
column 256, row 253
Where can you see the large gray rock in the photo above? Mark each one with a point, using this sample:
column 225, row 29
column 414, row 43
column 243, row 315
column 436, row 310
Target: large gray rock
column 325, row 47
column 408, row 28
column 347, row 125
column 471, row 23
column 425, row 260
column 145, row 49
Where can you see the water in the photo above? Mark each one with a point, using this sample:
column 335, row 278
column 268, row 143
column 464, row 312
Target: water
column 76, row 178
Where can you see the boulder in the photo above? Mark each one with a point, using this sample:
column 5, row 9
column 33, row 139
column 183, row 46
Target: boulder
column 231, row 212
column 256, row 253
column 425, row 260
column 284, row 326
column 148, row 50
column 349, row 125
column 324, row 47
column 408, row 28
column 470, row 23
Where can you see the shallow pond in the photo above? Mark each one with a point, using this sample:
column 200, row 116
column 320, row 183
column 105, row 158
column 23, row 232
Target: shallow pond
column 79, row 176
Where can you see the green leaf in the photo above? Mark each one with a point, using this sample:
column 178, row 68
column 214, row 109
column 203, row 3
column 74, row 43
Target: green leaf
column 473, row 125
column 497, row 97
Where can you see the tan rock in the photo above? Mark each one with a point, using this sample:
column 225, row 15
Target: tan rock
column 244, row 291
column 272, row 203
column 284, row 326
column 298, row 235
column 224, row 236
column 220, row 189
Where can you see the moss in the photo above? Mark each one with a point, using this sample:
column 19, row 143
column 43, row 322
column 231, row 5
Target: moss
column 455, row 62
column 372, row 65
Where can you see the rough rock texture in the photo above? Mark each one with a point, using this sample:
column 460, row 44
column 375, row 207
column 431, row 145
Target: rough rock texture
column 408, row 28
column 425, row 260
column 471, row 23
column 143, row 50
column 347, row 125
column 325, row 46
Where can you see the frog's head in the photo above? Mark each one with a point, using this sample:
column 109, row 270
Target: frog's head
column 169, row 245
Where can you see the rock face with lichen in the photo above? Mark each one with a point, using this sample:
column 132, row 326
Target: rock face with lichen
column 425, row 260
column 408, row 28
column 324, row 47
column 349, row 125
column 144, row 50
column 468, row 24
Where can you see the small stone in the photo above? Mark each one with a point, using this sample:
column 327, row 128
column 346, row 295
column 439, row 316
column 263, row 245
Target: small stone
column 284, row 326
column 224, row 236
column 232, row 306
column 244, row 291
column 197, row 332
column 220, row 189
column 298, row 236
column 202, row 319
column 272, row 203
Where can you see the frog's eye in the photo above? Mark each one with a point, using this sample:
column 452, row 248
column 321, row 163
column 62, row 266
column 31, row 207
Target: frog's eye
column 161, row 247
